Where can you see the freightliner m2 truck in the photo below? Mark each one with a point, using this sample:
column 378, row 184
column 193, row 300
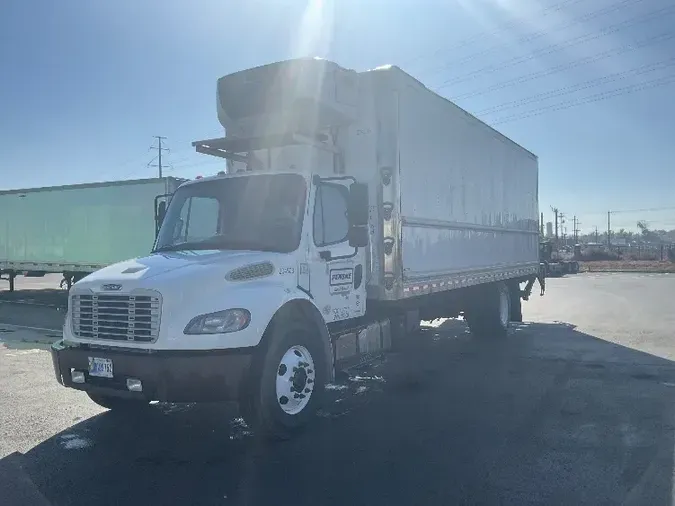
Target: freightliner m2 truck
column 352, row 206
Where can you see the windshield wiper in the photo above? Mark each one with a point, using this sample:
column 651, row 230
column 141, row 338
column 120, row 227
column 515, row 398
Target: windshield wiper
column 181, row 246
column 220, row 242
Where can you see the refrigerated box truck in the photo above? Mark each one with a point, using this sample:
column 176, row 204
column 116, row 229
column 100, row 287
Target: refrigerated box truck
column 354, row 205
column 77, row 229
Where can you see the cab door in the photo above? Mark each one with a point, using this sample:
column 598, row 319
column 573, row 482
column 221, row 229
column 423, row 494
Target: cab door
column 337, row 268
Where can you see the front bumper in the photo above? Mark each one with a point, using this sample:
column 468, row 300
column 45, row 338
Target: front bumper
column 168, row 376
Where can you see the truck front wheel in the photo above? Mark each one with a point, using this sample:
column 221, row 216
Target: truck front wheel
column 489, row 311
column 287, row 382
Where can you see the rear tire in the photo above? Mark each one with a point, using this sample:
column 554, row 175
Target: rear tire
column 489, row 311
column 516, row 304
column 287, row 382
column 118, row 403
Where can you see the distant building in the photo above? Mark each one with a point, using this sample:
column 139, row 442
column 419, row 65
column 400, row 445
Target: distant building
column 549, row 229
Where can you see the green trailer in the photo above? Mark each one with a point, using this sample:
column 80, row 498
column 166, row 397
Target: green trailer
column 77, row 229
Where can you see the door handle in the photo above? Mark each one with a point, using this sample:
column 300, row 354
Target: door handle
column 358, row 276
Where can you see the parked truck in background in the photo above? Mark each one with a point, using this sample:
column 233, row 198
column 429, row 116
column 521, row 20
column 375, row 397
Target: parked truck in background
column 354, row 205
column 556, row 263
column 77, row 229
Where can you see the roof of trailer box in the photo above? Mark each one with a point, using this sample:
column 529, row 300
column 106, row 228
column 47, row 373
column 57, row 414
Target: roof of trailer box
column 120, row 182
column 399, row 72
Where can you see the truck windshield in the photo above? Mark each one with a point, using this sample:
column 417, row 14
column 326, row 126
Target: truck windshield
column 256, row 212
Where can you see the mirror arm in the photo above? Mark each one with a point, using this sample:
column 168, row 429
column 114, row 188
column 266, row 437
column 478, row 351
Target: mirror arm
column 345, row 257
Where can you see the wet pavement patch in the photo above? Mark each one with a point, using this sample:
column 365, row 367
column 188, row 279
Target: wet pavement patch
column 644, row 376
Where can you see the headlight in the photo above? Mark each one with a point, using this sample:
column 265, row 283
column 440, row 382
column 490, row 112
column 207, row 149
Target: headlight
column 222, row 322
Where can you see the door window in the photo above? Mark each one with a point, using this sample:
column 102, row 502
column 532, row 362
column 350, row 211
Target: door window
column 330, row 215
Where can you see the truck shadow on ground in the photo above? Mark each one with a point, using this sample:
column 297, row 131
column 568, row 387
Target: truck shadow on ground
column 549, row 415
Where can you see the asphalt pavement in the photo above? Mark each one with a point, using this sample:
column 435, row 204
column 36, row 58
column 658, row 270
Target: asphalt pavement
column 576, row 406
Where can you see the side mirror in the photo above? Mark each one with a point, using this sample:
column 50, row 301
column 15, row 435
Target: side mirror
column 358, row 237
column 357, row 207
column 161, row 212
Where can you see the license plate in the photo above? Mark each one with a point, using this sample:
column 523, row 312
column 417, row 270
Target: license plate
column 100, row 367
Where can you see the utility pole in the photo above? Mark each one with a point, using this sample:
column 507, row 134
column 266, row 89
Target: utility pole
column 159, row 149
column 609, row 228
column 576, row 230
column 561, row 216
column 555, row 212
column 541, row 224
column 596, row 234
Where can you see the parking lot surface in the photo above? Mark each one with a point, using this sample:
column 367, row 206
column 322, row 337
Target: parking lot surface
column 576, row 406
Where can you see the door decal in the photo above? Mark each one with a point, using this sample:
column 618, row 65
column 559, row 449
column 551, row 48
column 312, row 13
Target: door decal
column 341, row 280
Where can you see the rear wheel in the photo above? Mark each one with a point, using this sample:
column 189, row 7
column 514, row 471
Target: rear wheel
column 489, row 311
column 516, row 304
column 287, row 382
column 118, row 403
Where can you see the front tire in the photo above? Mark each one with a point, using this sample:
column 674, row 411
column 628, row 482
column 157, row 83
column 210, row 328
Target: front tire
column 489, row 311
column 287, row 382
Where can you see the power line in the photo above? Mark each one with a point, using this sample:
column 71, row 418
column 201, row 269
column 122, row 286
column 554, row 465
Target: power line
column 552, row 48
column 567, row 66
column 137, row 158
column 566, row 90
column 501, row 27
column 647, row 210
column 605, row 95
column 623, row 211
column 199, row 164
column 542, row 33
column 188, row 144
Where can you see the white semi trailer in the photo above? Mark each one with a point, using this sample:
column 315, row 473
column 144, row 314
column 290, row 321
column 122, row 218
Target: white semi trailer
column 354, row 204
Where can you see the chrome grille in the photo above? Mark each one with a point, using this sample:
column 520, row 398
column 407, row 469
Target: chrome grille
column 117, row 317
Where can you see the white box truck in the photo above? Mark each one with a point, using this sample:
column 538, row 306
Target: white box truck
column 354, row 204
column 77, row 229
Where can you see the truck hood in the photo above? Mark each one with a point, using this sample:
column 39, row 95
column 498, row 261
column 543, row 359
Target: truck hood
column 131, row 273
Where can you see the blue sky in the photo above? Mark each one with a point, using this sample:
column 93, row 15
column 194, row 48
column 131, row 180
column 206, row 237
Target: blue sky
column 85, row 85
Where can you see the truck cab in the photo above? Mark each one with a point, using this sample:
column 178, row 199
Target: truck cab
column 248, row 269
